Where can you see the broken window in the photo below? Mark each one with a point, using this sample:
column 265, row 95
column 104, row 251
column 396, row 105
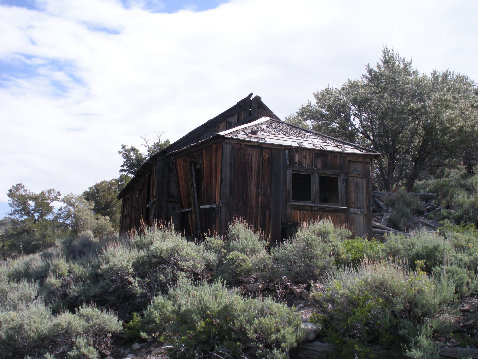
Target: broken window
column 301, row 187
column 328, row 189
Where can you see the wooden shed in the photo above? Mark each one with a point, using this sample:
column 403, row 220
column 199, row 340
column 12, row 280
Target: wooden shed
column 246, row 163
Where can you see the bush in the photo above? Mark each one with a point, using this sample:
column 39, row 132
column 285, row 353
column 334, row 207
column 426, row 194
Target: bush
column 88, row 325
column 310, row 253
column 167, row 256
column 430, row 247
column 16, row 295
column 236, row 268
column 25, row 332
column 242, row 238
column 205, row 319
column 32, row 268
column 356, row 250
column 458, row 276
column 466, row 208
column 457, row 194
column 242, row 255
column 35, row 331
column 82, row 246
column 115, row 285
column 403, row 206
column 377, row 308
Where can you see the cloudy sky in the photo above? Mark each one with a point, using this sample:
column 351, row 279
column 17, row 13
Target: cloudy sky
column 78, row 78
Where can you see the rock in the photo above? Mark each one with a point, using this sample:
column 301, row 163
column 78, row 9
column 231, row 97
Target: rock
column 311, row 330
column 297, row 291
column 312, row 350
column 300, row 306
column 254, row 287
column 129, row 356
column 136, row 346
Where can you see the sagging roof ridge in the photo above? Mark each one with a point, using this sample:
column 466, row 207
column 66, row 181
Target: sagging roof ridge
column 177, row 145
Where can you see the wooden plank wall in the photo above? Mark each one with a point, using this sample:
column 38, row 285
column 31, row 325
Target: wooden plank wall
column 318, row 161
column 354, row 172
column 248, row 189
column 139, row 204
column 255, row 187
column 249, row 181
column 207, row 161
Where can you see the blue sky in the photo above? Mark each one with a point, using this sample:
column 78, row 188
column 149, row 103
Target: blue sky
column 78, row 78
column 165, row 6
column 4, row 209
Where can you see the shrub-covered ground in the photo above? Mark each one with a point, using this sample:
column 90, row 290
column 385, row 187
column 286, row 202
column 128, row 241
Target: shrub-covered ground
column 229, row 297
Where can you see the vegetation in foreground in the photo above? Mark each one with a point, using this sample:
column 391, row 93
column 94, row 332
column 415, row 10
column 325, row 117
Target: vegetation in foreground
column 395, row 298
column 70, row 288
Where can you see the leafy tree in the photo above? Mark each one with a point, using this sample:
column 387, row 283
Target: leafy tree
column 32, row 225
column 455, row 99
column 418, row 123
column 80, row 217
column 133, row 158
column 29, row 205
column 35, row 224
column 104, row 196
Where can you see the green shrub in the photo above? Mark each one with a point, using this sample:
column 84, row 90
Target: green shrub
column 242, row 238
column 310, row 253
column 16, row 295
column 377, row 308
column 82, row 246
column 168, row 257
column 133, row 328
column 88, row 327
column 465, row 208
column 215, row 245
column 430, row 247
column 171, row 249
column 462, row 236
column 457, row 195
column 25, row 332
column 82, row 350
column 422, row 346
column 35, row 331
column 458, row 276
column 241, row 256
column 355, row 250
column 115, row 285
column 205, row 319
column 403, row 206
column 235, row 268
column 31, row 267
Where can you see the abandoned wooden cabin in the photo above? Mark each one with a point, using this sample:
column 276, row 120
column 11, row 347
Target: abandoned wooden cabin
column 247, row 163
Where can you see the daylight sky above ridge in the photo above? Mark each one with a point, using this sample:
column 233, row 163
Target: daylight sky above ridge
column 78, row 78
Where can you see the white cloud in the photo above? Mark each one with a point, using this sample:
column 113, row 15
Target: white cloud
column 100, row 75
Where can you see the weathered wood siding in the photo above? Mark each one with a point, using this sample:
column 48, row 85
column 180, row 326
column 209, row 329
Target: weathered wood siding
column 257, row 185
column 199, row 183
column 248, row 189
column 139, row 205
column 203, row 188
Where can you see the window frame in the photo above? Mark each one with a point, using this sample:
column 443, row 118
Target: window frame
column 315, row 187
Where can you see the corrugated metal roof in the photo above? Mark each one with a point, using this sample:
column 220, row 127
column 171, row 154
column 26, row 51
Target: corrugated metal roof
column 272, row 131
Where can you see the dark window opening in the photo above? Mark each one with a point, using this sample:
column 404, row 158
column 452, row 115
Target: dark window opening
column 198, row 183
column 301, row 187
column 328, row 189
